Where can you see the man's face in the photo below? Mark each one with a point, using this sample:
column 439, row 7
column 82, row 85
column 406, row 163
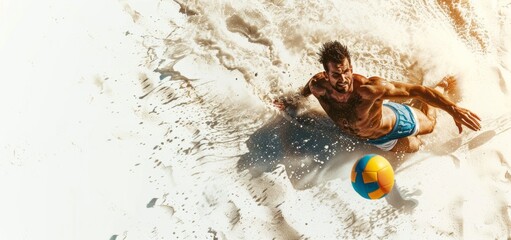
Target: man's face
column 340, row 76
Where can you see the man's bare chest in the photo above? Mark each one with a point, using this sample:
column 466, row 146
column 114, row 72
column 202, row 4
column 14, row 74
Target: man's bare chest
column 349, row 115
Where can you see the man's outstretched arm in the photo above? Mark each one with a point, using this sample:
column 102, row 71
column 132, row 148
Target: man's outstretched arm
column 431, row 97
column 292, row 100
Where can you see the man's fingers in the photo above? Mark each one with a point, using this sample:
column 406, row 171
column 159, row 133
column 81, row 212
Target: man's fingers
column 476, row 121
column 278, row 104
column 460, row 128
column 280, row 107
column 476, row 116
column 473, row 118
column 467, row 118
column 463, row 121
column 470, row 124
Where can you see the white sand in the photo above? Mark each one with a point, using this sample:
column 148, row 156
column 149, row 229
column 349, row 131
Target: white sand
column 130, row 120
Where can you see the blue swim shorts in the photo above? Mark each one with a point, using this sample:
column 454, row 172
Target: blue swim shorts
column 406, row 125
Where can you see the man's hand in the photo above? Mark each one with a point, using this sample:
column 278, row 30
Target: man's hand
column 465, row 117
column 289, row 102
column 280, row 104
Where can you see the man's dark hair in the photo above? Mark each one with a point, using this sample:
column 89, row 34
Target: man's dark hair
column 334, row 52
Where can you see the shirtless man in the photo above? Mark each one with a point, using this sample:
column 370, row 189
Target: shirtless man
column 355, row 104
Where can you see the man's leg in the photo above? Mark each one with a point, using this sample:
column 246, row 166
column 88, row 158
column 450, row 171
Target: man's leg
column 408, row 145
column 426, row 114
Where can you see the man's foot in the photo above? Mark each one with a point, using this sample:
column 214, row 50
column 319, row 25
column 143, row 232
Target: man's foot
column 448, row 85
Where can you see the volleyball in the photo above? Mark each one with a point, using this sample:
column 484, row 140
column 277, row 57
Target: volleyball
column 372, row 176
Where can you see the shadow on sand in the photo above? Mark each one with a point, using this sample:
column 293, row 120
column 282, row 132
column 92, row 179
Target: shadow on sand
column 312, row 149
column 470, row 140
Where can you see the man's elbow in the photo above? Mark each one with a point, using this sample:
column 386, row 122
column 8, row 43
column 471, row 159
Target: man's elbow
column 306, row 91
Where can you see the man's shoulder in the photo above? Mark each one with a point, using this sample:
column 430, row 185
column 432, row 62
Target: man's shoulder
column 371, row 87
column 363, row 80
column 318, row 80
column 317, row 84
column 371, row 81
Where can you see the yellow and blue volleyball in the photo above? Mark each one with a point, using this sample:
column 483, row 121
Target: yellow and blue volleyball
column 372, row 176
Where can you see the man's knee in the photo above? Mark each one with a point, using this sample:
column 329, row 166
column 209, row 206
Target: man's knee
column 428, row 126
column 426, row 120
column 432, row 125
column 408, row 145
column 414, row 144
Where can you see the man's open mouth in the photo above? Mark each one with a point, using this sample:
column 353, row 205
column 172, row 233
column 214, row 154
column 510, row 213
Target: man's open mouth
column 342, row 85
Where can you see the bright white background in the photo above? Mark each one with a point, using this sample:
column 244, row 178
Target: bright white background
column 64, row 171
